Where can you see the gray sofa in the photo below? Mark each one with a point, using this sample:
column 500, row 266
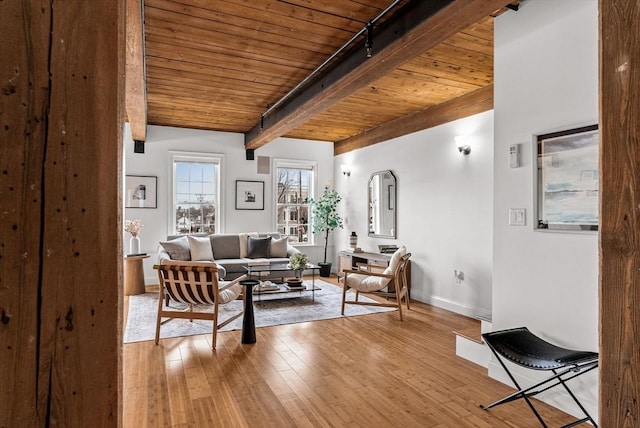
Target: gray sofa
column 231, row 252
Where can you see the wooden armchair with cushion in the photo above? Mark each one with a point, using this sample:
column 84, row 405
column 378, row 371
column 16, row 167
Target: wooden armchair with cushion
column 390, row 283
column 195, row 284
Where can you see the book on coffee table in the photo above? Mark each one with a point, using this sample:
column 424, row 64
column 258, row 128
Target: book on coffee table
column 267, row 287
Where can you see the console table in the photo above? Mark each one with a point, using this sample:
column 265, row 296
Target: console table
column 350, row 259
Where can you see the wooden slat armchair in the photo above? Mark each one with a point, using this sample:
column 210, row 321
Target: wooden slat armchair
column 366, row 280
column 195, row 284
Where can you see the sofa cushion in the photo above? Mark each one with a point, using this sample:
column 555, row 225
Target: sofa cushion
column 278, row 247
column 178, row 249
column 200, row 247
column 366, row 283
column 225, row 246
column 258, row 247
column 233, row 265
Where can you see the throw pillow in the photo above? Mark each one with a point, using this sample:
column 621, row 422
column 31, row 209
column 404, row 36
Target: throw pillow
column 178, row 249
column 200, row 247
column 258, row 247
column 278, row 247
column 244, row 237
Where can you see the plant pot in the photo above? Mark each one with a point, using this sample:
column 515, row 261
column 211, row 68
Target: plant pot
column 325, row 269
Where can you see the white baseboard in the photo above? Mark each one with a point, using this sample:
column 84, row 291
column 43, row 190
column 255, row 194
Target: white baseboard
column 473, row 351
column 450, row 305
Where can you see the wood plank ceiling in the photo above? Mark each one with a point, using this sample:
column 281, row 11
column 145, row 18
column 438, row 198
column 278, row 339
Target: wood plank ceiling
column 220, row 64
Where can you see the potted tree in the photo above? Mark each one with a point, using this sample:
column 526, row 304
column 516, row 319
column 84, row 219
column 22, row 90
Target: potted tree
column 325, row 218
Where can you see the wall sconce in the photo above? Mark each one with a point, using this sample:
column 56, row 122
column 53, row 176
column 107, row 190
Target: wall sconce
column 345, row 170
column 463, row 148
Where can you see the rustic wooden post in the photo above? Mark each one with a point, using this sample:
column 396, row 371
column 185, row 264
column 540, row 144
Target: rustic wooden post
column 61, row 80
column 619, row 213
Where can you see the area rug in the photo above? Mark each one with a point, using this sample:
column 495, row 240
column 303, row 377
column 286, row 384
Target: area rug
column 269, row 311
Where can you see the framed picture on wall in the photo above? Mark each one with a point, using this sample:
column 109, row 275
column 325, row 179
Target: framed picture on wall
column 249, row 195
column 141, row 191
column 568, row 180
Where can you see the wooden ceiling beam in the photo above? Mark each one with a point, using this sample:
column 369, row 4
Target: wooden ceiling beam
column 475, row 102
column 417, row 28
column 135, row 99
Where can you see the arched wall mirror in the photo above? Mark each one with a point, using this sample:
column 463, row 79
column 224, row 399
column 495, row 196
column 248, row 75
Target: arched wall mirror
column 382, row 204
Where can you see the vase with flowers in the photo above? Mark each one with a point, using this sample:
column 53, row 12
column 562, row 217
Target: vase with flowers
column 133, row 227
column 298, row 262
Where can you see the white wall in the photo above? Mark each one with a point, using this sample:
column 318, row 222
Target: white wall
column 546, row 78
column 444, row 206
column 156, row 161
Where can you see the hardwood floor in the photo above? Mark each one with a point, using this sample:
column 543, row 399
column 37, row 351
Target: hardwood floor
column 364, row 371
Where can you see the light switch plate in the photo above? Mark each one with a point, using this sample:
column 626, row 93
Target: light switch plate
column 517, row 216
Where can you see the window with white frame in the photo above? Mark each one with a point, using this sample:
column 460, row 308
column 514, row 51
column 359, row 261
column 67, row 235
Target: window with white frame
column 294, row 186
column 196, row 193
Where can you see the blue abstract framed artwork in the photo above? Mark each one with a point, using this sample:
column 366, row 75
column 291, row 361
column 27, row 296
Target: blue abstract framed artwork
column 568, row 185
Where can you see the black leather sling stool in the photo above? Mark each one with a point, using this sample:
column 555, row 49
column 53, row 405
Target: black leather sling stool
column 525, row 349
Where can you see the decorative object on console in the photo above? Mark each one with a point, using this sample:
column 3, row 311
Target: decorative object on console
column 325, row 218
column 353, row 240
column 387, row 249
column 133, row 227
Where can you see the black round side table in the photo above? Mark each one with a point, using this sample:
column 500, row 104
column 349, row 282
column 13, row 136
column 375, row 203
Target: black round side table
column 248, row 322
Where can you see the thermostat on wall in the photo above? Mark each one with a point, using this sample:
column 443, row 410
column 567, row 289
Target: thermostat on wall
column 514, row 156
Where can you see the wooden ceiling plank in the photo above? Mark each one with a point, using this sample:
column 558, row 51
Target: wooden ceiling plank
column 470, row 42
column 467, row 105
column 204, row 117
column 210, row 105
column 422, row 77
column 199, row 93
column 248, row 22
column 236, row 43
column 311, row 15
column 196, row 56
column 192, row 115
column 135, row 98
column 249, row 74
column 391, row 51
column 348, row 9
column 233, row 79
column 190, row 124
column 212, row 48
